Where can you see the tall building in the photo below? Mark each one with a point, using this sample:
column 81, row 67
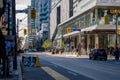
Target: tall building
column 45, row 9
column 60, row 12
column 93, row 25
column 31, row 24
column 75, row 6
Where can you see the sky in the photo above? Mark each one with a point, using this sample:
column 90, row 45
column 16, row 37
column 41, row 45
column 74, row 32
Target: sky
column 22, row 4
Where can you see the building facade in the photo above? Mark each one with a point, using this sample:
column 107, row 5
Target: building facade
column 45, row 9
column 59, row 14
column 96, row 21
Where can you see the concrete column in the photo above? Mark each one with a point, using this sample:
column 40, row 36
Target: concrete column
column 83, row 45
column 96, row 14
column 88, row 44
column 96, row 41
column 91, row 17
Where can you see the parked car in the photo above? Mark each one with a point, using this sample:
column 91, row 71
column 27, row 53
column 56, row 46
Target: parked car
column 98, row 54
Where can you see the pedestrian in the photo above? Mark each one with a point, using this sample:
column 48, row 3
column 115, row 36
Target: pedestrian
column 116, row 53
column 77, row 53
column 79, row 49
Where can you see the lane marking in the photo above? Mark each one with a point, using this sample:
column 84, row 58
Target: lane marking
column 72, row 73
column 54, row 74
column 56, row 66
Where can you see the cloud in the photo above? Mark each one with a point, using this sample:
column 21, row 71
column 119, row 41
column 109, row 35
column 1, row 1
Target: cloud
column 20, row 7
column 24, row 2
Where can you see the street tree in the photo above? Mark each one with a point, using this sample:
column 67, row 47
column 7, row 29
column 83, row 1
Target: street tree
column 47, row 44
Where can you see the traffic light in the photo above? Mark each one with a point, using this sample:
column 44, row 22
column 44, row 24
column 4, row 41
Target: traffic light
column 33, row 14
column 25, row 31
column 118, row 31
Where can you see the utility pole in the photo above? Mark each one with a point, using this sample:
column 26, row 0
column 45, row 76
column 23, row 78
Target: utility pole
column 116, row 29
column 14, row 33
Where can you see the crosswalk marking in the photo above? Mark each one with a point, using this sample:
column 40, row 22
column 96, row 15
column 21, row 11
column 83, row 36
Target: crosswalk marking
column 54, row 74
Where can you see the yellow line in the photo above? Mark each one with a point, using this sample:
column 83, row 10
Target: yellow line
column 54, row 74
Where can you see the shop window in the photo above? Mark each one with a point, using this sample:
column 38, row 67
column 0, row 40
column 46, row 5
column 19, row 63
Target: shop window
column 110, row 19
column 103, row 41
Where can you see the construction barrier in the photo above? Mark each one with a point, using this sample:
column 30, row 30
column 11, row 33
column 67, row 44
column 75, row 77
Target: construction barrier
column 31, row 61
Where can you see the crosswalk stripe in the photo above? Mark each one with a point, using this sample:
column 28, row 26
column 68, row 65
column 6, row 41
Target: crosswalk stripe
column 54, row 74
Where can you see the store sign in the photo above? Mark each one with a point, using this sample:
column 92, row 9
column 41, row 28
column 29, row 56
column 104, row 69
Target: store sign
column 113, row 11
column 76, row 29
column 68, row 30
column 1, row 3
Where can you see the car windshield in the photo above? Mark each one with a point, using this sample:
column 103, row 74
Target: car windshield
column 101, row 50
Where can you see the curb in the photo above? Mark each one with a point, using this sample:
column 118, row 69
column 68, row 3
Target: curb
column 20, row 70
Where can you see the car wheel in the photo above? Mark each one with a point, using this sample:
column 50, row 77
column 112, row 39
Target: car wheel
column 105, row 59
column 94, row 58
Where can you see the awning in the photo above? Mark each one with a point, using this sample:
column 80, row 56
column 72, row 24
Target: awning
column 74, row 33
column 99, row 28
column 89, row 28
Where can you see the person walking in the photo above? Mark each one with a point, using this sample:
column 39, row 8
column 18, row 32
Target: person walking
column 117, row 53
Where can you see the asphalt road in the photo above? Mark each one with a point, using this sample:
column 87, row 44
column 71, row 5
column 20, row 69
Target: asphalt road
column 65, row 68
column 50, row 71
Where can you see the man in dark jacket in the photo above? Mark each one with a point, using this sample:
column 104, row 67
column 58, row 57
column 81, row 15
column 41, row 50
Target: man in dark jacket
column 116, row 53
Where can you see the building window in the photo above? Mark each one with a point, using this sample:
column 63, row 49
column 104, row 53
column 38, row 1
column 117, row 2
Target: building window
column 58, row 15
column 70, row 8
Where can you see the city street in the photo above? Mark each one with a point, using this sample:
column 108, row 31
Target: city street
column 72, row 68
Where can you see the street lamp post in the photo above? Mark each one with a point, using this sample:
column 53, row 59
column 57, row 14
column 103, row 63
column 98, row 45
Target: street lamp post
column 116, row 42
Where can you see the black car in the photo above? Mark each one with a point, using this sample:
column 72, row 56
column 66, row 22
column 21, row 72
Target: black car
column 98, row 54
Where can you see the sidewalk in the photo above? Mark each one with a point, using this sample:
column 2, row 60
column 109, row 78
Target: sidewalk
column 14, row 74
column 68, row 54
column 71, row 55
